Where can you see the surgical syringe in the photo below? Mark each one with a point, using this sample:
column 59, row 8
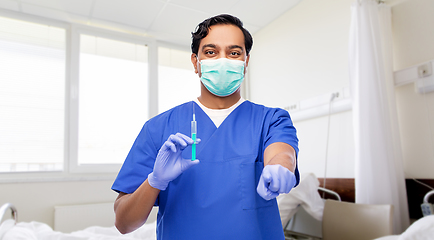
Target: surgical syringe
column 193, row 136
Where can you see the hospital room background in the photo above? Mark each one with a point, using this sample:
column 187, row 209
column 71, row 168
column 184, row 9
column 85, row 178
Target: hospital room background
column 298, row 60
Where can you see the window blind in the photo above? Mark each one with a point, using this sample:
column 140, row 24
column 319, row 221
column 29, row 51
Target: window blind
column 32, row 96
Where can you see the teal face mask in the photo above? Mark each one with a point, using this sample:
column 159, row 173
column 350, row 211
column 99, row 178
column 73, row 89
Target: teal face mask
column 222, row 76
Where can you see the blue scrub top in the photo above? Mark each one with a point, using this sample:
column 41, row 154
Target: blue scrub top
column 217, row 198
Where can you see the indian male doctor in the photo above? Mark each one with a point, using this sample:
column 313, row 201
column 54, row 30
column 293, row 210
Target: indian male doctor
column 247, row 153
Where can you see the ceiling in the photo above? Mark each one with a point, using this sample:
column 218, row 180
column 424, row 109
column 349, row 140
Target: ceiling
column 166, row 20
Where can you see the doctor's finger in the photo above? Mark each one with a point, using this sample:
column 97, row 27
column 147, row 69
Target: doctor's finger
column 274, row 185
column 289, row 182
column 187, row 139
column 268, row 195
column 169, row 145
column 266, row 175
column 178, row 141
column 261, row 189
column 272, row 195
column 285, row 186
column 188, row 163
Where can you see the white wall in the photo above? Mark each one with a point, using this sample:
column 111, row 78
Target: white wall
column 313, row 137
column 413, row 29
column 304, row 53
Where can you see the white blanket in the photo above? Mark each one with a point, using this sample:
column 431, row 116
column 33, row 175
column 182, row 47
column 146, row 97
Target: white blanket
column 41, row 231
column 305, row 194
column 422, row 229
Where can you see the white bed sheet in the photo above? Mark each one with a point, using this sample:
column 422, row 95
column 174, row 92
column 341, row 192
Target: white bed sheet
column 422, row 229
column 41, row 231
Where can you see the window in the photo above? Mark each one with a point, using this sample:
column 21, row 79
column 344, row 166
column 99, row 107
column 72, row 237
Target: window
column 73, row 98
column 32, row 96
column 177, row 82
column 113, row 98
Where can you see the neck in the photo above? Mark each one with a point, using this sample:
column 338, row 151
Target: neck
column 212, row 101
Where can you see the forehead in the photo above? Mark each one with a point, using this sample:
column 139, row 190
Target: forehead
column 223, row 35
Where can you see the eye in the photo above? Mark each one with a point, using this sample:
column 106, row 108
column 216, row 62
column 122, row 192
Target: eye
column 210, row 52
column 234, row 54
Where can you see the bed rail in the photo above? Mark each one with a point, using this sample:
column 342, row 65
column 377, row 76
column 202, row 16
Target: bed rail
column 427, row 208
column 304, row 226
column 330, row 192
column 426, row 198
column 4, row 209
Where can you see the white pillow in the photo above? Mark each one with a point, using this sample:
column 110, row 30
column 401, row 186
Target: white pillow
column 390, row 237
column 422, row 229
column 6, row 226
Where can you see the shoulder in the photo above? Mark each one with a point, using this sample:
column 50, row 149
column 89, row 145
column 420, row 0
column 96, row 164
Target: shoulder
column 266, row 111
column 170, row 114
column 166, row 123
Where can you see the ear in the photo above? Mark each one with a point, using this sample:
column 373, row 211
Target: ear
column 247, row 60
column 194, row 61
column 247, row 63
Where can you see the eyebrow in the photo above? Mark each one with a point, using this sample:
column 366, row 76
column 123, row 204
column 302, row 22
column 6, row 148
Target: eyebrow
column 235, row 46
column 211, row 45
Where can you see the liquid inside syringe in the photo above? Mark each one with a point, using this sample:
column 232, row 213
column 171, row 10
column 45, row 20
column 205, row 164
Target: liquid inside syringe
column 193, row 136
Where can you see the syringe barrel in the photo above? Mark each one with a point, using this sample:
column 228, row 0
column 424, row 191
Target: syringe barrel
column 193, row 127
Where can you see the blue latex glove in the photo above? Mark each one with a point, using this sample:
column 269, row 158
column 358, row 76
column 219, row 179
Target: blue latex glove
column 169, row 163
column 275, row 180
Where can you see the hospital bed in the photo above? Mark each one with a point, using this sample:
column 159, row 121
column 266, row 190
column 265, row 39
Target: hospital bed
column 304, row 215
column 304, row 220
column 333, row 219
column 302, row 225
column 11, row 229
column 421, row 229
column 316, row 218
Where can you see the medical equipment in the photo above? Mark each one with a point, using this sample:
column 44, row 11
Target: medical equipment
column 427, row 208
column 332, row 97
column 222, row 76
column 193, row 136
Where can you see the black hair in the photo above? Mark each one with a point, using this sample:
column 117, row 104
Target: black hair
column 202, row 31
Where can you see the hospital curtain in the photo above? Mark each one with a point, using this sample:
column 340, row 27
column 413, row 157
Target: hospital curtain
column 379, row 177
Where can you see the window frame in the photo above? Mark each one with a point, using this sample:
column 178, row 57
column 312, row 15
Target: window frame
column 73, row 84
column 71, row 170
column 39, row 175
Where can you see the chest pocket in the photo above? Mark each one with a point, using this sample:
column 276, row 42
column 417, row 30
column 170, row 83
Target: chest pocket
column 249, row 174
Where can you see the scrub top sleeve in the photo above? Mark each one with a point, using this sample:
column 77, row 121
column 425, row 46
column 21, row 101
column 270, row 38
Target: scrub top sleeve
column 281, row 129
column 138, row 164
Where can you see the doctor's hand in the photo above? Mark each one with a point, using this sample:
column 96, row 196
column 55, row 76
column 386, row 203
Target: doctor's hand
column 275, row 180
column 169, row 163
